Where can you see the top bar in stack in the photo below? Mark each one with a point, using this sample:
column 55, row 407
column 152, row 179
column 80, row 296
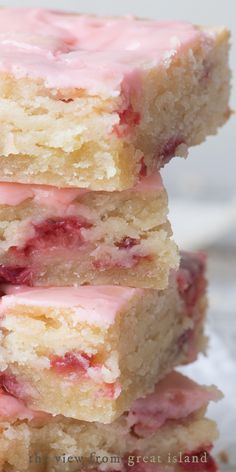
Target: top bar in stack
column 98, row 102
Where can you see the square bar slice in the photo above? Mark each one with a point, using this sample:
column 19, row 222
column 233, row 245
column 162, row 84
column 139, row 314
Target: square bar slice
column 96, row 102
column 65, row 237
column 88, row 352
column 166, row 426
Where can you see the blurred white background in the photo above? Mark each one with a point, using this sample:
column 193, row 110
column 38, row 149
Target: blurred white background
column 202, row 202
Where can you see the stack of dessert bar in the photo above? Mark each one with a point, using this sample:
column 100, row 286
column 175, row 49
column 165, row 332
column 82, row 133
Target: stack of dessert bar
column 97, row 305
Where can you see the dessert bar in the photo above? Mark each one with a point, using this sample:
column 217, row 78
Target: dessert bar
column 98, row 102
column 166, row 431
column 88, row 352
column 65, row 237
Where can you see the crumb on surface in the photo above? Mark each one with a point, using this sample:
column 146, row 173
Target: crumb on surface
column 224, row 457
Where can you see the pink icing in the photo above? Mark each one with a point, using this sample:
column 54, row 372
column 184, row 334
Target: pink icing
column 97, row 54
column 149, row 183
column 175, row 398
column 12, row 408
column 14, row 194
column 98, row 305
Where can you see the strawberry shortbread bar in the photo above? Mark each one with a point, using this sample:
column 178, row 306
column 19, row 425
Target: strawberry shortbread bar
column 88, row 352
column 98, row 102
column 165, row 431
column 64, row 237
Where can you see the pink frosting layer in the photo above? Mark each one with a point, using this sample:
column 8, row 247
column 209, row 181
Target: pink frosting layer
column 97, row 305
column 12, row 408
column 175, row 398
column 14, row 194
column 68, row 50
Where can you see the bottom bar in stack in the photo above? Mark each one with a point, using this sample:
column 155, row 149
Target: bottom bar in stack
column 89, row 352
column 165, row 431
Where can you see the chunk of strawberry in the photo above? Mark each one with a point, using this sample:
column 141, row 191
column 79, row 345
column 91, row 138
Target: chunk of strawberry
column 71, row 362
column 15, row 275
column 129, row 119
column 55, row 232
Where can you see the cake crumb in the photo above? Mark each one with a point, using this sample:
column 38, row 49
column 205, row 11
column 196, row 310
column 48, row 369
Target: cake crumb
column 224, row 457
